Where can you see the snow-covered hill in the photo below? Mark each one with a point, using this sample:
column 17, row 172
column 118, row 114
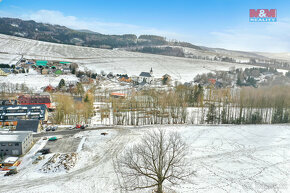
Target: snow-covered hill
column 116, row 61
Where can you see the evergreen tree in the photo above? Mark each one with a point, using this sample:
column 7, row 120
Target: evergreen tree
column 286, row 117
column 239, row 82
column 211, row 114
column 256, row 118
column 73, row 71
column 278, row 115
column 61, row 83
column 86, row 100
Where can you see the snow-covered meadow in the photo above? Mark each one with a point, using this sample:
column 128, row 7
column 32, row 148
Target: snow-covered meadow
column 36, row 82
column 116, row 61
column 230, row 158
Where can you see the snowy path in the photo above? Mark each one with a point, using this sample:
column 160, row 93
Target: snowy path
column 250, row 158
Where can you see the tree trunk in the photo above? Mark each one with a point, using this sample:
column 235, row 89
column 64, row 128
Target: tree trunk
column 159, row 188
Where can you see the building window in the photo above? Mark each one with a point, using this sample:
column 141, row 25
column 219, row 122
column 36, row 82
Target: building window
column 16, row 144
column 3, row 144
column 9, row 144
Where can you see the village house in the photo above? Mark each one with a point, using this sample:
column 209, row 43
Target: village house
column 45, row 71
column 66, row 70
column 5, row 71
column 125, row 78
column 242, row 60
column 58, row 72
column 71, row 83
column 166, row 79
column 49, row 88
column 41, row 63
column 37, row 99
column 86, row 80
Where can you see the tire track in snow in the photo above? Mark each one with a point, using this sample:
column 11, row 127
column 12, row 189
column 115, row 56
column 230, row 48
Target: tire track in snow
column 115, row 145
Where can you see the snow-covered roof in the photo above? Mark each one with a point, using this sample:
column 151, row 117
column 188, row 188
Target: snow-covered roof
column 13, row 137
column 6, row 70
column 15, row 114
column 17, row 107
column 145, row 74
column 10, row 160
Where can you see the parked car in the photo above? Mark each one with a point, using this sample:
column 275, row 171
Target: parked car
column 52, row 139
column 54, row 128
column 11, row 172
column 78, row 126
column 44, row 151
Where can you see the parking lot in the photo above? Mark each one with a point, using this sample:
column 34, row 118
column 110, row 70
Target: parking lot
column 63, row 145
column 66, row 132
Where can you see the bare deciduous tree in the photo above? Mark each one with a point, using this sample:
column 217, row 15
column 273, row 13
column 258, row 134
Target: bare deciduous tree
column 158, row 158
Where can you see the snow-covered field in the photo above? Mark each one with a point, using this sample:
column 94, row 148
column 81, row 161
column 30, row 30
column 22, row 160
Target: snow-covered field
column 36, row 81
column 250, row 158
column 116, row 61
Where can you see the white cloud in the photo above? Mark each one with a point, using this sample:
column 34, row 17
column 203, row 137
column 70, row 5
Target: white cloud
column 265, row 37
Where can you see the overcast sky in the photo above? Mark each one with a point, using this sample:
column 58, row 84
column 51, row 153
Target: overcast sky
column 219, row 23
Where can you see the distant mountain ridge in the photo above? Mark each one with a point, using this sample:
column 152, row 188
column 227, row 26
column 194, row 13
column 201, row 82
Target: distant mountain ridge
column 61, row 34
column 151, row 44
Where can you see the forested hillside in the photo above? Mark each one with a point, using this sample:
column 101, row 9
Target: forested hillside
column 64, row 35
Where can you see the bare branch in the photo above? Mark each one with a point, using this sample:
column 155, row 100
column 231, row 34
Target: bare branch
column 159, row 157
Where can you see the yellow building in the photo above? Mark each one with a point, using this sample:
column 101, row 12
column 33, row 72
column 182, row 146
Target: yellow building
column 3, row 73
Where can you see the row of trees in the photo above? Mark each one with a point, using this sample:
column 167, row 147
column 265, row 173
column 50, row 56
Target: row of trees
column 9, row 88
column 154, row 107
column 169, row 51
column 198, row 105
column 250, row 106
column 69, row 111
